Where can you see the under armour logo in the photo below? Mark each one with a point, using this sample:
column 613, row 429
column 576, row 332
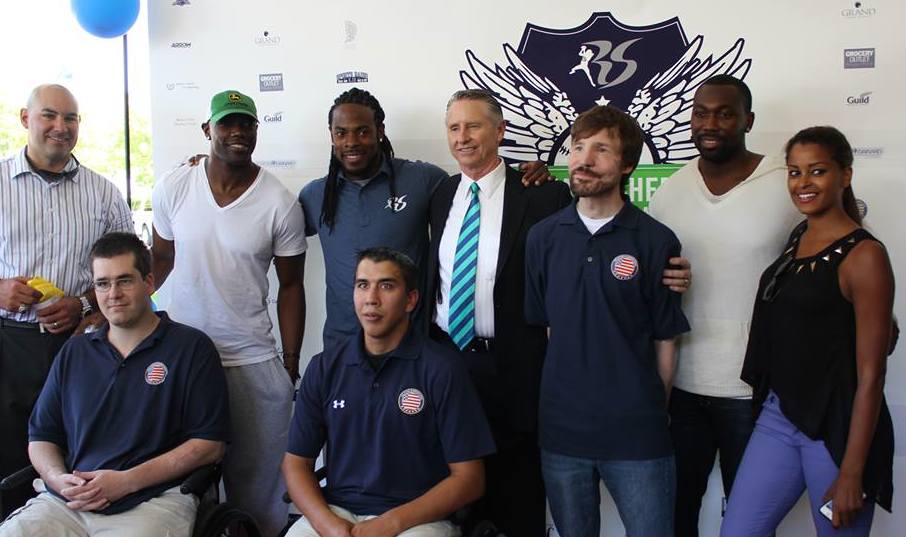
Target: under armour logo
column 397, row 204
column 339, row 403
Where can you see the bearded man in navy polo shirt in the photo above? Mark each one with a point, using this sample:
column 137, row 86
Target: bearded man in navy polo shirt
column 404, row 428
column 593, row 276
column 126, row 413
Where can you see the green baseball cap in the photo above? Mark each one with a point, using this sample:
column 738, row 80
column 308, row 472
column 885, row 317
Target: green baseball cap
column 231, row 102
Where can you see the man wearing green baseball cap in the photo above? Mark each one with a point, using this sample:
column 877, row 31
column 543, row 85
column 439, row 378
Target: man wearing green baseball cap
column 231, row 102
column 228, row 218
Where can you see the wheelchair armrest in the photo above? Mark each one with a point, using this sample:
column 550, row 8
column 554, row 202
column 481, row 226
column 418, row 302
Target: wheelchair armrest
column 201, row 479
column 21, row 477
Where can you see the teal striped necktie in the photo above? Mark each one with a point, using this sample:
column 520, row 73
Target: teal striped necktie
column 461, row 326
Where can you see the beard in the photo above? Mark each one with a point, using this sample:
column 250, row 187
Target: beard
column 598, row 186
column 725, row 150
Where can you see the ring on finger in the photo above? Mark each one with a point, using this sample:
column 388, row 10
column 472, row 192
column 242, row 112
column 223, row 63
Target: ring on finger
column 56, row 324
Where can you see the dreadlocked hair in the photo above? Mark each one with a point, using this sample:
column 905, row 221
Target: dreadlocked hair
column 331, row 188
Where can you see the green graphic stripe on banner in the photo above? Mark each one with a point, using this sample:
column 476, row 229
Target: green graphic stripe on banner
column 643, row 182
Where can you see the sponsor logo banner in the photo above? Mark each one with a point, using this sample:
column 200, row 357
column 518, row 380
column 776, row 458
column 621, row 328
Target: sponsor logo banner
column 858, row 58
column 352, row 77
column 861, row 99
column 172, row 86
column 868, row 152
column 858, row 10
column 267, row 39
column 270, row 82
column 278, row 164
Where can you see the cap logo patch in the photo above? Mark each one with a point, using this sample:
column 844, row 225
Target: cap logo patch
column 234, row 98
column 411, row 401
column 624, row 267
column 156, row 373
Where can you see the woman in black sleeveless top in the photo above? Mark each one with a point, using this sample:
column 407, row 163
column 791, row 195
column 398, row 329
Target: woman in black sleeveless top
column 816, row 359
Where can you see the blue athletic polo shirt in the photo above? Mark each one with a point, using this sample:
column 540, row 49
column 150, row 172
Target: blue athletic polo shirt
column 366, row 217
column 106, row 412
column 602, row 296
column 390, row 433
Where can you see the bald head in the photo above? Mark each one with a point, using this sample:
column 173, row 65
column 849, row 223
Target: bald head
column 52, row 119
column 35, row 96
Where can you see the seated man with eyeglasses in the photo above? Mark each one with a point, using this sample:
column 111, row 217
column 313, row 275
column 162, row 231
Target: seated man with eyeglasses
column 126, row 413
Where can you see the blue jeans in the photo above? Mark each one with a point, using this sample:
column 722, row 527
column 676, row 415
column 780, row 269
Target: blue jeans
column 643, row 492
column 779, row 464
column 702, row 427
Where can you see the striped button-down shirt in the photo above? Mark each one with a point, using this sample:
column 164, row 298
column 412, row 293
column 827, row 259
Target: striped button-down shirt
column 47, row 228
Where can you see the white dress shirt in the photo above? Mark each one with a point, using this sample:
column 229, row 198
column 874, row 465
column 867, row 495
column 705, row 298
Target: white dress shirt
column 490, row 198
column 47, row 228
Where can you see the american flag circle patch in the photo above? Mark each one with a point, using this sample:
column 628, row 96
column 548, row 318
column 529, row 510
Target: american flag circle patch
column 156, row 373
column 411, row 401
column 624, row 267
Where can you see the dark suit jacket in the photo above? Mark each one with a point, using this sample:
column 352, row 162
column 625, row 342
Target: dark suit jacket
column 512, row 403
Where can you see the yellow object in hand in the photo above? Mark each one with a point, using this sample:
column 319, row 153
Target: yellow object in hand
column 47, row 289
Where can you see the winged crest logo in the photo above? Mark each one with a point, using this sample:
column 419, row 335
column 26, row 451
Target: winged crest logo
column 651, row 72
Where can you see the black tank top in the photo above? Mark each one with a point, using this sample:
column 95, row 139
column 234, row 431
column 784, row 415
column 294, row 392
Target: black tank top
column 802, row 345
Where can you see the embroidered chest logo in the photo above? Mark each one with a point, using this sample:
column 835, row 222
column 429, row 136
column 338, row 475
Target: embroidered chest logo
column 339, row 403
column 397, row 204
column 411, row 401
column 624, row 267
column 156, row 373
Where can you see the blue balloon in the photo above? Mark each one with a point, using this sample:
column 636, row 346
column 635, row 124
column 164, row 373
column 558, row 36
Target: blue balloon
column 106, row 18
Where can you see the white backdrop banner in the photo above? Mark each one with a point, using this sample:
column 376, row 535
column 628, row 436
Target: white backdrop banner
column 807, row 62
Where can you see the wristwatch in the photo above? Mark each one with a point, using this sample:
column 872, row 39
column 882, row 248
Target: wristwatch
column 86, row 306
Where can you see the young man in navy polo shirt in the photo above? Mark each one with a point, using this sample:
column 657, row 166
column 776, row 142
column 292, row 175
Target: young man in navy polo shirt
column 404, row 428
column 593, row 276
column 125, row 414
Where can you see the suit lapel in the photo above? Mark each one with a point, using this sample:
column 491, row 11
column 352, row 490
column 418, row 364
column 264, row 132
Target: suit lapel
column 514, row 204
column 445, row 202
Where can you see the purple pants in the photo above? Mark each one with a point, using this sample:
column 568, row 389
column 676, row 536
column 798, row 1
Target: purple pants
column 779, row 463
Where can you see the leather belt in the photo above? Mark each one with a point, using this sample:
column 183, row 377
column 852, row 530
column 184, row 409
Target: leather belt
column 478, row 344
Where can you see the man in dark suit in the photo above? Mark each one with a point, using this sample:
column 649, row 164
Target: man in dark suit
column 476, row 275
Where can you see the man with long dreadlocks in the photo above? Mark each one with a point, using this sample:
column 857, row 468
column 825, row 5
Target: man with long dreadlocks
column 368, row 198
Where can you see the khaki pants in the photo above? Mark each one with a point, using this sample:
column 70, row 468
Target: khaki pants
column 442, row 528
column 172, row 514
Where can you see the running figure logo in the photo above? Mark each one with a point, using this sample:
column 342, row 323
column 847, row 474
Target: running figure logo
column 651, row 72
column 397, row 204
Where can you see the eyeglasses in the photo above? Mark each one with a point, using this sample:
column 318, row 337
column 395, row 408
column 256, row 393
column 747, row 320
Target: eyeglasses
column 126, row 283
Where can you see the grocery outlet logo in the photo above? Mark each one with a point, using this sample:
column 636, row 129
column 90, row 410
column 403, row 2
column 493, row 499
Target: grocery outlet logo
column 859, row 58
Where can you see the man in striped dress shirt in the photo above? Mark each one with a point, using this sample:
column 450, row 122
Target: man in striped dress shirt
column 53, row 210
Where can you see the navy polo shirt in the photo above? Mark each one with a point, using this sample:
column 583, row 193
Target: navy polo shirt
column 602, row 297
column 366, row 217
column 106, row 412
column 390, row 433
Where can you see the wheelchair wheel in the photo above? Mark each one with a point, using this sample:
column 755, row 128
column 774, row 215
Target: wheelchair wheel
column 485, row 528
column 226, row 521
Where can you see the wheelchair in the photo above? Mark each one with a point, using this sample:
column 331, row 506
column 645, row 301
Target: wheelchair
column 484, row 528
column 213, row 519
